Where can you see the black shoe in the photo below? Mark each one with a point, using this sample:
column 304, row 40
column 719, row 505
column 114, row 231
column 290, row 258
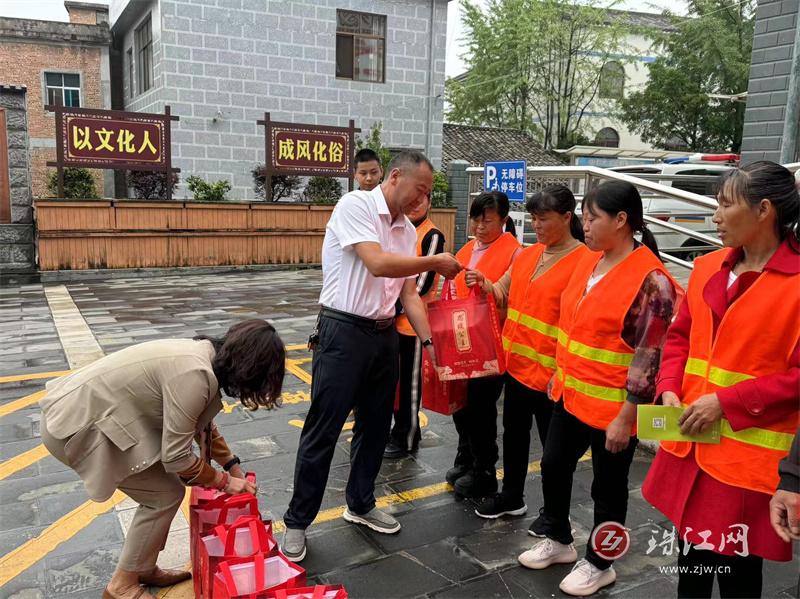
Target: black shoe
column 499, row 505
column 455, row 473
column 394, row 451
column 476, row 484
column 538, row 527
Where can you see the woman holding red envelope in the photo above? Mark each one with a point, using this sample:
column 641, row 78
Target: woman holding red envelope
column 128, row 421
column 491, row 252
column 531, row 289
column 733, row 356
column 614, row 315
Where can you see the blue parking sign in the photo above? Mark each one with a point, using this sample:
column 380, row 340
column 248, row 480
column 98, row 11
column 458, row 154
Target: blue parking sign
column 508, row 177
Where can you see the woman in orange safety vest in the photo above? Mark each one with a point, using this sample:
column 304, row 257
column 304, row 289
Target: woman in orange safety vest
column 531, row 289
column 491, row 252
column 614, row 316
column 732, row 357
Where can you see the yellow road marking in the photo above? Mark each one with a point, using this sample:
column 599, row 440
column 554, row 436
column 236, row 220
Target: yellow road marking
column 296, row 347
column 23, row 557
column 22, row 402
column 22, row 461
column 293, row 367
column 32, row 377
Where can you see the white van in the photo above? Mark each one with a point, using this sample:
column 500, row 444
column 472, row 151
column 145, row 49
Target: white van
column 699, row 177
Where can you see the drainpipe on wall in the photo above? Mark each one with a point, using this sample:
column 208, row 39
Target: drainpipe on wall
column 791, row 123
column 429, row 101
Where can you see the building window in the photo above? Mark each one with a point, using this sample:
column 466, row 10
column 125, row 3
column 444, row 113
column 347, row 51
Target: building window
column 63, row 89
column 360, row 46
column 607, row 137
column 144, row 55
column 129, row 58
column 612, row 81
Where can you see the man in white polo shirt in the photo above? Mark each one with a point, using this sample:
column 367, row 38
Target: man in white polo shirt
column 368, row 262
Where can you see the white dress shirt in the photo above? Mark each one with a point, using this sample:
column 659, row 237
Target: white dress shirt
column 347, row 285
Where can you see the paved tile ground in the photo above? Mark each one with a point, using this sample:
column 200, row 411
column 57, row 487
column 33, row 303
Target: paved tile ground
column 444, row 550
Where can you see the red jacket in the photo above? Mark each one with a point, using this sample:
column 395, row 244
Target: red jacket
column 676, row 486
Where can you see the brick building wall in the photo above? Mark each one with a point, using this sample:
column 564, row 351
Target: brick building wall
column 767, row 92
column 221, row 67
column 42, row 47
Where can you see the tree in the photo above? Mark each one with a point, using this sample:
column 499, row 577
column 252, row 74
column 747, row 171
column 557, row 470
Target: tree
column 150, row 185
column 374, row 143
column 282, row 186
column 708, row 53
column 322, row 190
column 79, row 184
column 534, row 65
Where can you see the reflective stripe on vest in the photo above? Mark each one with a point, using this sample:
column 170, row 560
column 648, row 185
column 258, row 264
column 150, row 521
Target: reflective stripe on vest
column 719, row 376
column 596, row 391
column 529, row 352
column 604, row 356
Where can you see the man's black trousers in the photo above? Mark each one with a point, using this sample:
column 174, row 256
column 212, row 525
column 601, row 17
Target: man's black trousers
column 406, row 432
column 355, row 367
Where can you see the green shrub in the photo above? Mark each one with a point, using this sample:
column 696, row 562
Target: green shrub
column 439, row 191
column 150, row 185
column 208, row 192
column 282, row 186
column 78, row 184
column 322, row 190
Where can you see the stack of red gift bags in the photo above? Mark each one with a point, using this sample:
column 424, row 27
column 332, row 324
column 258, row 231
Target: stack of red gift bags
column 235, row 555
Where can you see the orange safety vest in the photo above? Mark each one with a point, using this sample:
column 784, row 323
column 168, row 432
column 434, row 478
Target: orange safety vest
column 493, row 264
column 403, row 325
column 531, row 330
column 755, row 338
column 592, row 358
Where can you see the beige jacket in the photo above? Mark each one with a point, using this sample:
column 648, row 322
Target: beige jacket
column 133, row 408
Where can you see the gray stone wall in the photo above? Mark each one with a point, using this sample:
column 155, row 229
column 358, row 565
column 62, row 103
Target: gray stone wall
column 221, row 67
column 458, row 194
column 776, row 23
column 16, row 239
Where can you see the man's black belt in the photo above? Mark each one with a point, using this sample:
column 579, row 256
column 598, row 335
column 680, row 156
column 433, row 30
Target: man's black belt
column 367, row 323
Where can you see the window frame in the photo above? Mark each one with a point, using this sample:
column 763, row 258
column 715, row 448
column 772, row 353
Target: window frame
column 145, row 72
column 354, row 36
column 131, row 72
column 47, row 87
column 596, row 141
column 620, row 73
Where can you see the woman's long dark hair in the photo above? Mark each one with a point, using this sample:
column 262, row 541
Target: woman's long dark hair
column 493, row 200
column 765, row 180
column 249, row 363
column 614, row 197
column 556, row 198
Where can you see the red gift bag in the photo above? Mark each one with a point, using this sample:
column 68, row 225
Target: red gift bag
column 466, row 335
column 444, row 397
column 245, row 537
column 252, row 577
column 320, row 591
column 211, row 512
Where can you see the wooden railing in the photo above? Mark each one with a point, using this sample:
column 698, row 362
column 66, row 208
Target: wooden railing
column 90, row 234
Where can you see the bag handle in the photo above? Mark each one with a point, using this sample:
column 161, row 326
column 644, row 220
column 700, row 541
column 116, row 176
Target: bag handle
column 227, row 534
column 258, row 561
column 224, row 568
column 240, row 500
column 448, row 290
column 319, row 592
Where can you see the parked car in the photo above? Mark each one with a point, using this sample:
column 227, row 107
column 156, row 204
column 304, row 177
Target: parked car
column 699, row 174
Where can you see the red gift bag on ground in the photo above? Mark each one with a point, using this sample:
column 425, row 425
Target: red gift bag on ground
column 320, row 591
column 245, row 537
column 253, row 577
column 209, row 512
column 466, row 335
column 444, row 397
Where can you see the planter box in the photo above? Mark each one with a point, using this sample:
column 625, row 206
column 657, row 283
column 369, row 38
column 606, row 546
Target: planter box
column 92, row 234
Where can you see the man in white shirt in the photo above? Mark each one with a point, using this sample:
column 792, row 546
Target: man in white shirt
column 368, row 262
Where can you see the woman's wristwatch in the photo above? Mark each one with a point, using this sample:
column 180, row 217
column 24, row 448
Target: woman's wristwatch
column 428, row 342
column 232, row 463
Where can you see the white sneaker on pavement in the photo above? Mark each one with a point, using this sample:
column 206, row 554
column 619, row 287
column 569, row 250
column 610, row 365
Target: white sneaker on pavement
column 546, row 553
column 586, row 579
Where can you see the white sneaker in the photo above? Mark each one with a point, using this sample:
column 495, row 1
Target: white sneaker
column 546, row 553
column 586, row 579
